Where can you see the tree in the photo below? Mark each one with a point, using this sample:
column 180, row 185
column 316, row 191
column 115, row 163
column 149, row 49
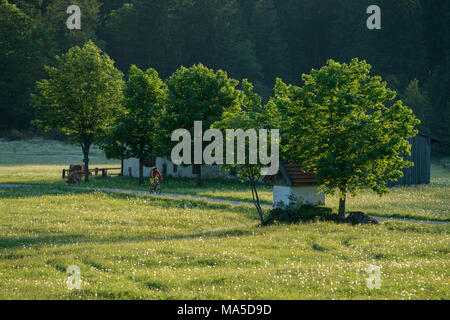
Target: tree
column 55, row 18
column 113, row 137
column 437, row 88
column 24, row 48
column 195, row 94
column 437, row 82
column 52, row 16
column 344, row 125
column 234, row 48
column 110, row 5
column 121, row 35
column 113, row 145
column 271, row 51
column 136, row 33
column 80, row 96
column 249, row 114
column 306, row 28
column 33, row 8
column 397, row 48
column 145, row 95
column 419, row 103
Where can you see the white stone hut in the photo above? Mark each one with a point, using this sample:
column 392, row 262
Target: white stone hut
column 292, row 183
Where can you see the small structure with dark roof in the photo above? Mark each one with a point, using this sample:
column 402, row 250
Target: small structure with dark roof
column 293, row 183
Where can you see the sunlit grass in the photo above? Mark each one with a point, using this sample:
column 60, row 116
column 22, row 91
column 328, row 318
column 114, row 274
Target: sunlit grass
column 28, row 164
column 232, row 190
column 48, row 152
column 417, row 202
column 140, row 247
column 40, row 161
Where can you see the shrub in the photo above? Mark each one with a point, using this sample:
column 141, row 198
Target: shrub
column 304, row 213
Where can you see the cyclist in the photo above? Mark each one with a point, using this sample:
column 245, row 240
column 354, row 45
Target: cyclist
column 155, row 178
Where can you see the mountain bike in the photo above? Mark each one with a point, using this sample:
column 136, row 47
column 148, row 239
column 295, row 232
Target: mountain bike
column 155, row 187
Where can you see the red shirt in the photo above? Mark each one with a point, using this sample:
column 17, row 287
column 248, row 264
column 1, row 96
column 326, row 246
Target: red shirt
column 155, row 173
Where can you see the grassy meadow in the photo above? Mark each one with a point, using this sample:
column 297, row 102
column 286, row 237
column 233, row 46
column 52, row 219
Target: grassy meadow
column 40, row 162
column 140, row 247
column 137, row 247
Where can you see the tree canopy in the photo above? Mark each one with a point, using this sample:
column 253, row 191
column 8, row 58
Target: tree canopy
column 23, row 53
column 80, row 96
column 250, row 114
column 255, row 39
column 346, row 127
column 195, row 94
column 144, row 97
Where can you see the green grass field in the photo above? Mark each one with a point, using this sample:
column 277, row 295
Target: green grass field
column 40, row 162
column 140, row 247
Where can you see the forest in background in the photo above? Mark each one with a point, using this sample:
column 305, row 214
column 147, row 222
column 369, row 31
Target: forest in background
column 255, row 39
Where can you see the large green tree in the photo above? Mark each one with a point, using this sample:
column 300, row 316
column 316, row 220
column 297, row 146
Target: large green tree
column 345, row 126
column 249, row 115
column 195, row 94
column 145, row 95
column 80, row 96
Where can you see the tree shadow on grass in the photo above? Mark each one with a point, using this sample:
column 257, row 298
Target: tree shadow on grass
column 162, row 201
column 60, row 240
column 304, row 214
column 29, row 191
column 182, row 186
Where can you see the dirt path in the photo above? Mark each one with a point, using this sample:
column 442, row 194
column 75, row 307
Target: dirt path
column 215, row 200
column 175, row 195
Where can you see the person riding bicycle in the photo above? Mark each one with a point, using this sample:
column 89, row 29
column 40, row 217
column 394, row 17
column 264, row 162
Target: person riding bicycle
column 155, row 176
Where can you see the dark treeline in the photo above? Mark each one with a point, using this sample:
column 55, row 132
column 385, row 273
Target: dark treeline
column 255, row 39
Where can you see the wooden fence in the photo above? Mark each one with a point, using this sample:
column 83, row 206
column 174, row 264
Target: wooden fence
column 105, row 172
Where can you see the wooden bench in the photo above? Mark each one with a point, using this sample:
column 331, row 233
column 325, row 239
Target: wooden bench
column 95, row 171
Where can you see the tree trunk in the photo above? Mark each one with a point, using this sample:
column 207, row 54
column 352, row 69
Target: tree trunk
column 256, row 200
column 199, row 175
column 86, row 165
column 141, row 171
column 122, row 173
column 341, row 213
column 121, row 166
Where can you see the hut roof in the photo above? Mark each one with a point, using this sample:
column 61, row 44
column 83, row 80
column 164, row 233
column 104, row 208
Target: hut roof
column 291, row 175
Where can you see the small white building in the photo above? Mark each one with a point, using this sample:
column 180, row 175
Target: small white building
column 168, row 169
column 292, row 184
